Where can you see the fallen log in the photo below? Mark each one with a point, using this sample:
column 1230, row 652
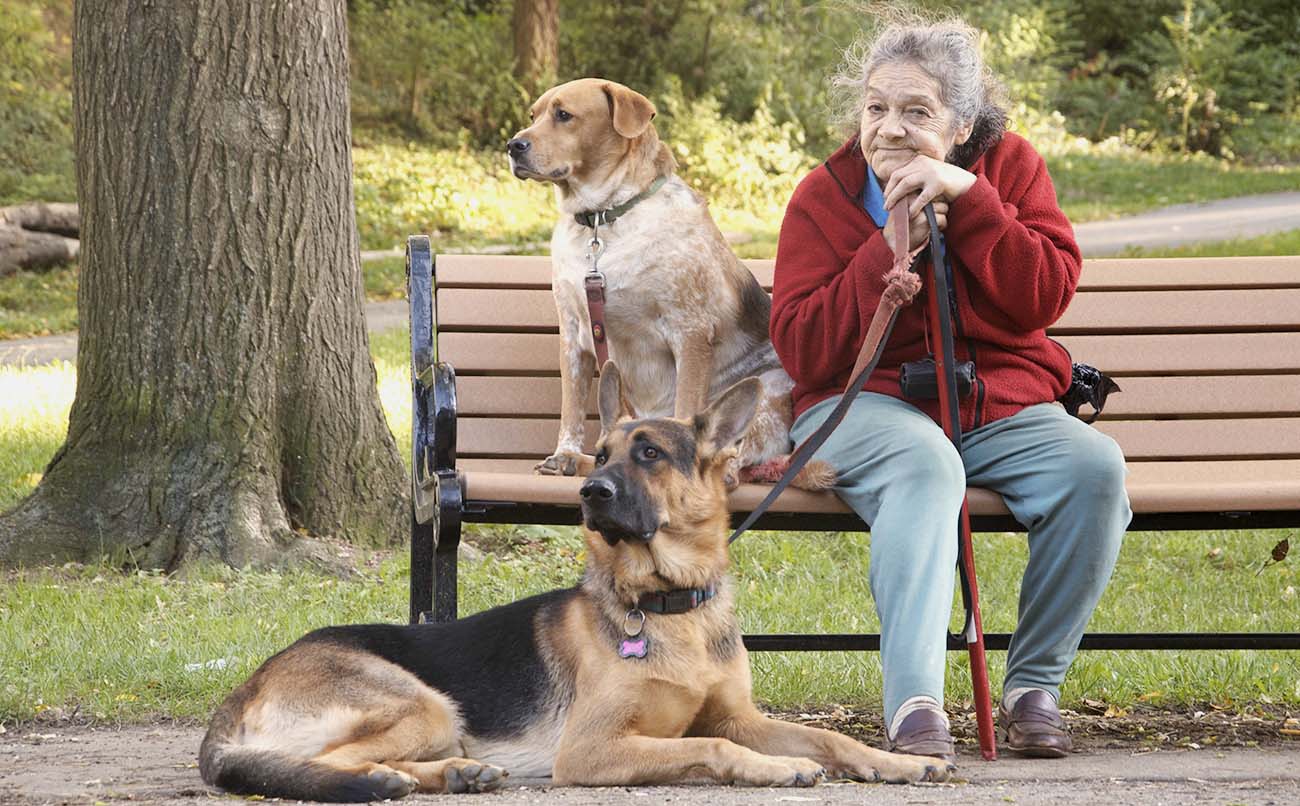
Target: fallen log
column 38, row 236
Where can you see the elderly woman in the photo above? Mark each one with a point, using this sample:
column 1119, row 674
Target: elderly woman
column 926, row 122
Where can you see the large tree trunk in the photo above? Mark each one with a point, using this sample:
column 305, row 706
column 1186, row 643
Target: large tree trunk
column 537, row 41
column 226, row 401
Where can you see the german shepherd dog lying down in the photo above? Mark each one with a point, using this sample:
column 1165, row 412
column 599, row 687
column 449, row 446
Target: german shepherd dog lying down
column 636, row 676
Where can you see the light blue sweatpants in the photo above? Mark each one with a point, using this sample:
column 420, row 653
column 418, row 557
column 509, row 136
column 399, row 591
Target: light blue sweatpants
column 1061, row 479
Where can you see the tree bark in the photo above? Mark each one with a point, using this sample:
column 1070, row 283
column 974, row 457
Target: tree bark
column 537, row 41
column 226, row 402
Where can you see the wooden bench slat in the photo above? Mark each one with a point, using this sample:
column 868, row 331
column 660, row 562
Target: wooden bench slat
column 1142, row 396
column 1154, row 487
column 1277, row 437
column 1191, row 354
column 507, row 310
column 530, row 271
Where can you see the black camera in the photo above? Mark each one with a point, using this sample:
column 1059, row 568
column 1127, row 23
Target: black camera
column 920, row 379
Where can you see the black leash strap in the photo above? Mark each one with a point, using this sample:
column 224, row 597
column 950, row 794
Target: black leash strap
column 943, row 300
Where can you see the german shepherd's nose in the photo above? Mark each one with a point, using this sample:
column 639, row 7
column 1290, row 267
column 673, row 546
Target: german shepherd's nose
column 597, row 491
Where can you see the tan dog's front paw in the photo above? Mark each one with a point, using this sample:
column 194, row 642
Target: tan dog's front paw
column 783, row 771
column 565, row 463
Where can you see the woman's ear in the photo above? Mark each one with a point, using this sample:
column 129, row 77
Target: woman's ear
column 963, row 134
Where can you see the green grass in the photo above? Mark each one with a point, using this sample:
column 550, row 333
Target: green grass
column 1280, row 243
column 1098, row 185
column 111, row 645
column 38, row 303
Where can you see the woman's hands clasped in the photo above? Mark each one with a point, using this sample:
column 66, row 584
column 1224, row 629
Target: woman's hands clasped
column 929, row 181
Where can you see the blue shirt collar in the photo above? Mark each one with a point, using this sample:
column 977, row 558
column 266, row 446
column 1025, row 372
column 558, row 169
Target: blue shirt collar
column 873, row 199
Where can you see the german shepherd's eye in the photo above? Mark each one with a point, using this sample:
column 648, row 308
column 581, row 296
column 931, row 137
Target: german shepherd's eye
column 648, row 453
column 563, row 116
column 601, row 458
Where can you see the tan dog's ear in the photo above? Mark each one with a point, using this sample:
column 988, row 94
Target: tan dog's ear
column 632, row 111
column 612, row 404
column 724, row 423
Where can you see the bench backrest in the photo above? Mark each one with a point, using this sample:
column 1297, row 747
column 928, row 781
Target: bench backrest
column 1207, row 352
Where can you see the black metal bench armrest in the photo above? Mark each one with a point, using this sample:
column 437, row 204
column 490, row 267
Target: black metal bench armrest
column 436, row 501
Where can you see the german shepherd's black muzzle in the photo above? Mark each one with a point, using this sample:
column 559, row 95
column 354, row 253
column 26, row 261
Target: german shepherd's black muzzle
column 617, row 507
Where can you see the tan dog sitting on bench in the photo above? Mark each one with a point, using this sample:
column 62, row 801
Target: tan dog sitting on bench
column 683, row 318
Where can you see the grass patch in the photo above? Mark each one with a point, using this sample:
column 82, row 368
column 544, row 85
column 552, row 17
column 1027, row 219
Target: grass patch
column 1098, row 185
column 38, row 303
column 1279, row 243
column 64, row 632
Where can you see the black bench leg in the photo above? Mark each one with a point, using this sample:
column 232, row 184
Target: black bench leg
column 444, row 554
column 421, row 567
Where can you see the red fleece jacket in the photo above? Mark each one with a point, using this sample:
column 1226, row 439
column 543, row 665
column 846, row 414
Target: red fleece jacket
column 1015, row 267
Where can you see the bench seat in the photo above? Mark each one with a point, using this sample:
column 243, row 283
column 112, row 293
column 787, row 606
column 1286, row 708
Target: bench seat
column 1206, row 351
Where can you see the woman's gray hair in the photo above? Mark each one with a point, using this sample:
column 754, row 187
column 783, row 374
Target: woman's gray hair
column 948, row 51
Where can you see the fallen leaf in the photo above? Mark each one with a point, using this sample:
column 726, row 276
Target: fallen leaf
column 1281, row 549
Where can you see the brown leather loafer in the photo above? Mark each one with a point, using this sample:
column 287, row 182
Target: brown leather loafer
column 1034, row 726
column 924, row 733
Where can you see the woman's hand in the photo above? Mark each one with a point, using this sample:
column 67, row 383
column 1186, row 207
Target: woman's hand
column 930, row 179
column 918, row 228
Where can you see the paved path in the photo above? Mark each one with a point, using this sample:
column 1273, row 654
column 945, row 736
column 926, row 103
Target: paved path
column 157, row 765
column 1244, row 217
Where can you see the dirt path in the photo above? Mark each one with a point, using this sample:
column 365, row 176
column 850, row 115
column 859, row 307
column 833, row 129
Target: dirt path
column 156, row 765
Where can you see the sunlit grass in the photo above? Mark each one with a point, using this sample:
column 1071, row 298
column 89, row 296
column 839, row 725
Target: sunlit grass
column 1281, row 243
column 34, row 407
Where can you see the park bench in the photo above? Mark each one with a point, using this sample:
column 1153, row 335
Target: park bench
column 1207, row 352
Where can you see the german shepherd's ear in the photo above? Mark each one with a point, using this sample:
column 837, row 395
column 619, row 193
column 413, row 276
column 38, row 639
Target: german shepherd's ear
column 631, row 110
column 613, row 405
column 722, row 425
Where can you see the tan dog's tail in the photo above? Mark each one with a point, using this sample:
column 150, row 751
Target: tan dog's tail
column 817, row 475
column 245, row 770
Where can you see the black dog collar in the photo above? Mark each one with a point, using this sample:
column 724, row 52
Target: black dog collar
column 681, row 600
column 593, row 218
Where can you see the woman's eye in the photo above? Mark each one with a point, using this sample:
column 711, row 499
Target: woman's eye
column 875, row 109
column 562, row 116
column 920, row 113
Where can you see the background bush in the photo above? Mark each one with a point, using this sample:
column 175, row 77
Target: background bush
column 739, row 84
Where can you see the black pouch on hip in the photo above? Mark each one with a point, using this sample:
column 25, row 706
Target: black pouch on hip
column 919, row 380
column 1087, row 385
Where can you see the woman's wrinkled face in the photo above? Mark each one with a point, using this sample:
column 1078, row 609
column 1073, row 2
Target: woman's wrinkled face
column 903, row 117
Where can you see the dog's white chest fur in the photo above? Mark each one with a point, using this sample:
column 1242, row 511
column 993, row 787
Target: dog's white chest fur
column 653, row 278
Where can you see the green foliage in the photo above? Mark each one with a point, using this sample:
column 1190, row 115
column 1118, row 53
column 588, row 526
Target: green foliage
column 35, row 103
column 752, row 165
column 457, row 195
column 435, row 69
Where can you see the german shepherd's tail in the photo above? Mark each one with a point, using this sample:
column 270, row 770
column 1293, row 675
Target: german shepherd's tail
column 244, row 770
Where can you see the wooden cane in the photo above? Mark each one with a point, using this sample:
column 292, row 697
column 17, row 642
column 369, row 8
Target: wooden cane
column 940, row 315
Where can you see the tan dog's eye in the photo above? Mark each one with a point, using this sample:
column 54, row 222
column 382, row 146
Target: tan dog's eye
column 563, row 116
column 601, row 458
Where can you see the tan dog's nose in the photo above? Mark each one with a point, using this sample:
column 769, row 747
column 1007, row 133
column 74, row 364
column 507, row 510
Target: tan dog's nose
column 517, row 147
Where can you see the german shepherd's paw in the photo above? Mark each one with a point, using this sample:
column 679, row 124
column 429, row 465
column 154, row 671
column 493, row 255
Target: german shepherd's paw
column 467, row 775
column 565, row 463
column 915, row 770
column 783, row 771
column 386, row 783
